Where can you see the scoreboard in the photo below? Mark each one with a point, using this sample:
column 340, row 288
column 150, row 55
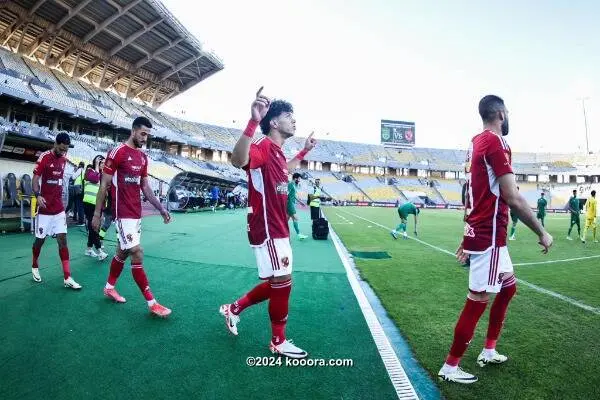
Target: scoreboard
column 397, row 133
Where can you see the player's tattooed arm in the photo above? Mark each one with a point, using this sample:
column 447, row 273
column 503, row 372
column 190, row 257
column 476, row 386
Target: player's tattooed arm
column 510, row 194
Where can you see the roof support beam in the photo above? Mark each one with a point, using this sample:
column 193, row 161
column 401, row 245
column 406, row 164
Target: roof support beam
column 90, row 68
column 34, row 8
column 153, row 100
column 103, row 74
column 130, row 39
column 178, row 67
column 42, row 37
column 10, row 30
column 49, row 50
column 77, row 58
column 72, row 12
column 110, row 20
column 158, row 51
column 141, row 89
column 114, row 79
column 23, row 33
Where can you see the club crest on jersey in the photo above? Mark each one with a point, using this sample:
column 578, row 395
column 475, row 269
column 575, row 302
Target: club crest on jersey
column 469, row 231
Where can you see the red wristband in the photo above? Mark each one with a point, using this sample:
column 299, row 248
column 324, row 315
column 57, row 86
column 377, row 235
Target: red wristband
column 300, row 156
column 250, row 128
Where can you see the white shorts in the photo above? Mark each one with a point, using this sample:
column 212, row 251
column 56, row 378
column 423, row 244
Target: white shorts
column 129, row 232
column 488, row 269
column 274, row 258
column 50, row 225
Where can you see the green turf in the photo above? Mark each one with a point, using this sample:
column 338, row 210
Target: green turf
column 553, row 346
column 61, row 344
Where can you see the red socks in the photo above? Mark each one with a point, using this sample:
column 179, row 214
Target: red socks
column 36, row 254
column 64, row 259
column 137, row 270
column 116, row 266
column 498, row 311
column 259, row 293
column 278, row 309
column 464, row 330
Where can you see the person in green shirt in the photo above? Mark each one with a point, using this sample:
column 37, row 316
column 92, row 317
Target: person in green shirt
column 574, row 208
column 515, row 220
column 403, row 211
column 541, row 208
column 291, row 204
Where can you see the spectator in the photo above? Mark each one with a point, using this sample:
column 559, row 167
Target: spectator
column 214, row 196
column 78, row 192
column 91, row 185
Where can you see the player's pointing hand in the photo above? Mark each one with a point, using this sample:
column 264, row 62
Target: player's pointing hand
column 310, row 142
column 260, row 106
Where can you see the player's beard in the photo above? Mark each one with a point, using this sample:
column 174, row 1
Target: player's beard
column 137, row 143
column 505, row 127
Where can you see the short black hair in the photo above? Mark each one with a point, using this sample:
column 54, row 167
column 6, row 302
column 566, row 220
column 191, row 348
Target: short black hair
column 574, row 191
column 296, row 175
column 593, row 193
column 489, row 106
column 276, row 108
column 63, row 138
column 543, row 193
column 141, row 121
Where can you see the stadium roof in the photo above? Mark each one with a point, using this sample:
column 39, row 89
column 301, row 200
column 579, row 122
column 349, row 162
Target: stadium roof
column 136, row 47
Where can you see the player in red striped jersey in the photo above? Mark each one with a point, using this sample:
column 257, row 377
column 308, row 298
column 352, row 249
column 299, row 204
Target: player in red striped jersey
column 491, row 190
column 268, row 231
column 126, row 173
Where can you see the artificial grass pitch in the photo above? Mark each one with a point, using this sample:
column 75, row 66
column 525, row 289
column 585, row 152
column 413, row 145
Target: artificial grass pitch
column 61, row 344
column 371, row 255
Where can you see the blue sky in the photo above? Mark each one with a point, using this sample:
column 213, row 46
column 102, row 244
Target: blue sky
column 345, row 65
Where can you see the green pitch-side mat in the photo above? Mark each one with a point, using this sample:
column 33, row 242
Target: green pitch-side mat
column 56, row 343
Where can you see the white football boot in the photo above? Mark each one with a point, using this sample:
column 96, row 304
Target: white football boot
column 288, row 349
column 457, row 375
column 483, row 359
column 231, row 320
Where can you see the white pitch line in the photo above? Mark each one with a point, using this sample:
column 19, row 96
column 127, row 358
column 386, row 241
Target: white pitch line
column 556, row 261
column 400, row 381
column 530, row 285
column 345, row 219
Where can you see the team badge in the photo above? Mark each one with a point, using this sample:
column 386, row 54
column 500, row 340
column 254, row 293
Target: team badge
column 469, row 231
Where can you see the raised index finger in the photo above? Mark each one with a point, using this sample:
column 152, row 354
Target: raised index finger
column 259, row 91
column 311, row 135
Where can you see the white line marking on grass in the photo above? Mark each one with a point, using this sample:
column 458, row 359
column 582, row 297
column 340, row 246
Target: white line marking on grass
column 346, row 220
column 556, row 261
column 561, row 297
column 402, row 385
column 530, row 285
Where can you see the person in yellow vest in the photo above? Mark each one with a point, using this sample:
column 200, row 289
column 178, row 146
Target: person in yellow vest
column 590, row 216
column 78, row 177
column 314, row 200
column 91, row 185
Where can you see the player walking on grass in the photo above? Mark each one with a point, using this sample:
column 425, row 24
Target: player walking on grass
column 590, row 217
column 491, row 191
column 268, row 231
column 541, row 208
column 574, row 208
column 403, row 212
column 51, row 219
column 291, row 204
column 126, row 172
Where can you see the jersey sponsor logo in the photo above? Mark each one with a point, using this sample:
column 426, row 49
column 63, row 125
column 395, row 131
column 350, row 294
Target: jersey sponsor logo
column 469, row 231
column 132, row 179
column 136, row 167
column 57, row 173
column 282, row 188
column 53, row 182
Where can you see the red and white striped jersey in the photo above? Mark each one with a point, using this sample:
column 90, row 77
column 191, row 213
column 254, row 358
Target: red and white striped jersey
column 128, row 166
column 267, row 192
column 489, row 157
